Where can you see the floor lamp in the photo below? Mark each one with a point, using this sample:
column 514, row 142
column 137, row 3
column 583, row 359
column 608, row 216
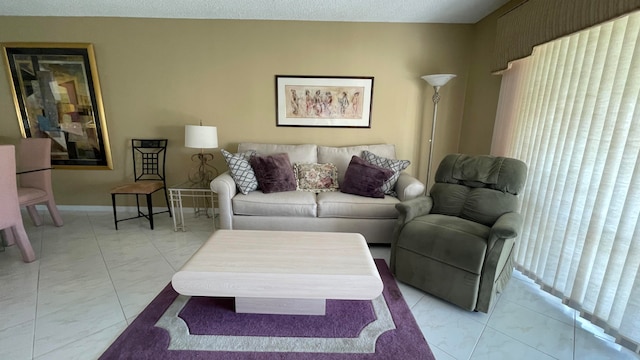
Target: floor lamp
column 201, row 137
column 437, row 81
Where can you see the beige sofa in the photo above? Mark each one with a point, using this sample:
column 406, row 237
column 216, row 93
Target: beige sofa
column 308, row 211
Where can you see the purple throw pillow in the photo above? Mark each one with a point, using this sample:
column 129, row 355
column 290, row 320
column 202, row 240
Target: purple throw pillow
column 274, row 173
column 364, row 179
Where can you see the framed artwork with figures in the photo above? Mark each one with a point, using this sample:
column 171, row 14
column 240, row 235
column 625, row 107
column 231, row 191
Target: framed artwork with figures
column 321, row 101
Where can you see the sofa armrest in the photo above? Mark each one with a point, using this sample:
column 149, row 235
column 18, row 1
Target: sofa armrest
column 408, row 187
column 225, row 187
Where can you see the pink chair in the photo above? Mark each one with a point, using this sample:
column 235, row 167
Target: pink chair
column 10, row 217
column 35, row 187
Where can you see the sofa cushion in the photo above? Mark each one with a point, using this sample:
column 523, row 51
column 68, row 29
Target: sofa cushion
column 316, row 177
column 364, row 179
column 341, row 156
column 288, row 203
column 274, row 173
column 341, row 205
column 241, row 171
column 306, row 153
column 392, row 164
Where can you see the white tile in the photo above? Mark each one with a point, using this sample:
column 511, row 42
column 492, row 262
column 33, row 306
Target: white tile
column 411, row 295
column 529, row 295
column 544, row 333
column 11, row 258
column 150, row 270
column 380, row 252
column 132, row 318
column 177, row 258
column 19, row 291
column 440, row 354
column 494, row 345
column 445, row 326
column 75, row 322
column 17, row 310
column 593, row 344
column 91, row 281
column 79, row 292
column 123, row 252
column 16, row 342
column 179, row 240
column 520, row 276
column 69, row 250
column 61, row 271
column 90, row 347
column 138, row 283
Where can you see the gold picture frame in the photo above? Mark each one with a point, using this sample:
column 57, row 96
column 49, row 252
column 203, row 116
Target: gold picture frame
column 56, row 93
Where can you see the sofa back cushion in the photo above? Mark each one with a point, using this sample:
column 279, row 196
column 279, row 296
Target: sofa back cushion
column 341, row 156
column 305, row 153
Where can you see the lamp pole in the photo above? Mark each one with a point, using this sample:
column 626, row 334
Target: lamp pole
column 437, row 81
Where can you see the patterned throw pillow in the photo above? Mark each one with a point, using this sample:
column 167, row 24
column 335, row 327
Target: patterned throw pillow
column 316, row 177
column 394, row 165
column 241, row 171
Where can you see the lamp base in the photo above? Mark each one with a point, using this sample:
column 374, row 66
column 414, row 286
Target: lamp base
column 202, row 173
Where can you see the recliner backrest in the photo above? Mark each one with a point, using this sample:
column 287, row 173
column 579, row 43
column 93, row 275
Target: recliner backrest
column 479, row 188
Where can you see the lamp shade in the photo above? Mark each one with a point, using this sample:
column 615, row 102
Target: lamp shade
column 200, row 137
column 438, row 79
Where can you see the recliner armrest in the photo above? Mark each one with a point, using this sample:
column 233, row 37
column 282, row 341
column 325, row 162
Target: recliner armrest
column 506, row 227
column 408, row 187
column 225, row 187
column 413, row 208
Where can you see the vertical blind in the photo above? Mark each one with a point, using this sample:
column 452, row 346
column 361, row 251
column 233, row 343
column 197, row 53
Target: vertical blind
column 570, row 111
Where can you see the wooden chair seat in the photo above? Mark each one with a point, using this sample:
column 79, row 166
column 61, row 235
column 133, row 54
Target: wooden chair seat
column 141, row 187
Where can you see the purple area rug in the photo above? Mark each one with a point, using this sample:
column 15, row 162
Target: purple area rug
column 181, row 327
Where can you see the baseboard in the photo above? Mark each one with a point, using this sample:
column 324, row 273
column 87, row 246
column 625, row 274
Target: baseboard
column 101, row 208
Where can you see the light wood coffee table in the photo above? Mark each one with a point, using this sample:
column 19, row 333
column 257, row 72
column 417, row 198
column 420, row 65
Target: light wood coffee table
column 281, row 272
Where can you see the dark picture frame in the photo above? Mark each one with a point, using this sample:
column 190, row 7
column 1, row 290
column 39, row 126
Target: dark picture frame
column 56, row 93
column 324, row 101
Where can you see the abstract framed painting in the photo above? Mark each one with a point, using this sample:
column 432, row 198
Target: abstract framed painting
column 56, row 93
column 324, row 101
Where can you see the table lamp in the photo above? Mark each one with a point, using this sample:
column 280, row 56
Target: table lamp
column 201, row 137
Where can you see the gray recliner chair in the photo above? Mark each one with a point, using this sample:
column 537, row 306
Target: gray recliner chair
column 457, row 243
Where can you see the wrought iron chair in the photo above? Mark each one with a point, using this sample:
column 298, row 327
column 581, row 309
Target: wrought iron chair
column 149, row 156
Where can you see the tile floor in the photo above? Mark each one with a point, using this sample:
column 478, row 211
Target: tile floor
column 91, row 281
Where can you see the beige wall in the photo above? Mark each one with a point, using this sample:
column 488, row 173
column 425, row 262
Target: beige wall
column 482, row 92
column 159, row 74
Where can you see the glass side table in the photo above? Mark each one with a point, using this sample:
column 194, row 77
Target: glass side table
column 203, row 200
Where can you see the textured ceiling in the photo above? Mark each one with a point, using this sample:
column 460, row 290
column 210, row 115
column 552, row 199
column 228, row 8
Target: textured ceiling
column 414, row 11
